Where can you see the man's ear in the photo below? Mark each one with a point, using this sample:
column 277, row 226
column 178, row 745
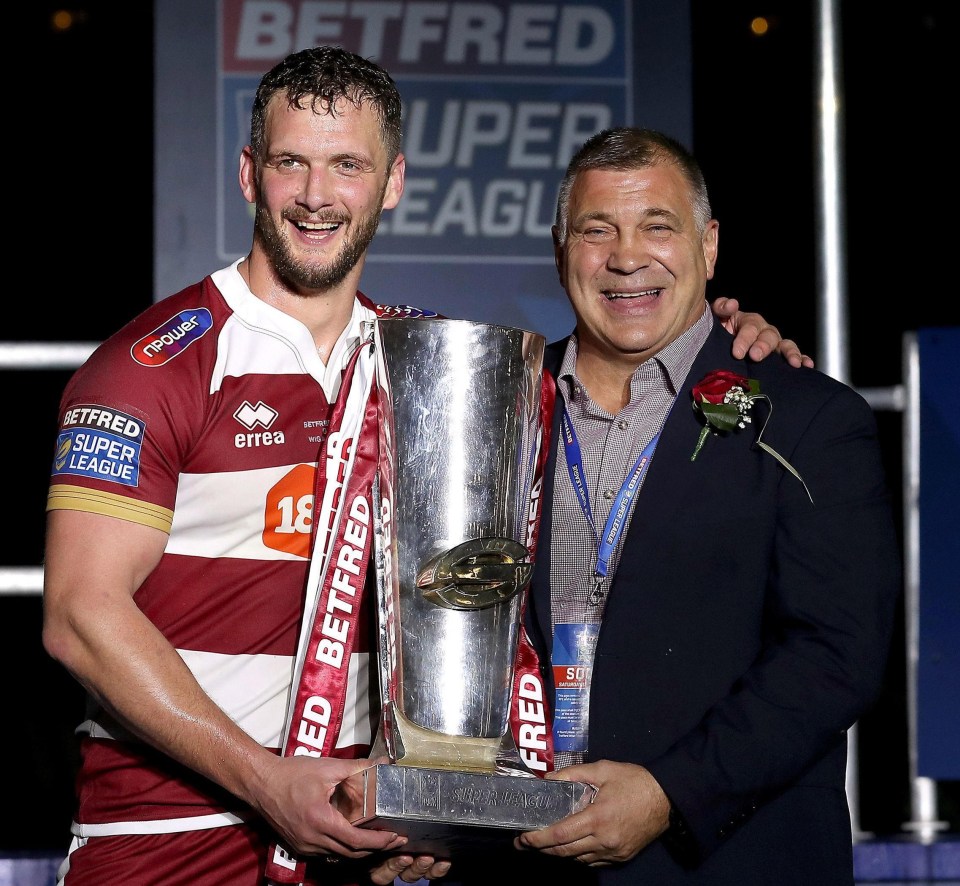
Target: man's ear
column 710, row 242
column 395, row 179
column 248, row 175
column 558, row 254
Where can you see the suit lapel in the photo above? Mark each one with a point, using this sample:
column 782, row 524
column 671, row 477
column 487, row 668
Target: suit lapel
column 672, row 478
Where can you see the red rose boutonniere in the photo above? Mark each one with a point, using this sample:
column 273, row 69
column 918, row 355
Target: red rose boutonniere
column 724, row 400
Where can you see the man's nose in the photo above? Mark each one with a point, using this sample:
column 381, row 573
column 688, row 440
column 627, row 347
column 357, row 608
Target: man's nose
column 317, row 190
column 628, row 253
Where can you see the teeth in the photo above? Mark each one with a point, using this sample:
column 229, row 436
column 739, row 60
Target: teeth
column 318, row 226
column 616, row 295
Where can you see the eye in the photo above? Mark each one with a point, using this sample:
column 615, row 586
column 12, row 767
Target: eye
column 659, row 232
column 350, row 166
column 596, row 235
column 285, row 164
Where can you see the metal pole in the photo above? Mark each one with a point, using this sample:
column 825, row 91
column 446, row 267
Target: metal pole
column 923, row 791
column 832, row 323
column 832, row 340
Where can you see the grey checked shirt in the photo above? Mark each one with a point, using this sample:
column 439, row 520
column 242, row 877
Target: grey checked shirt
column 609, row 445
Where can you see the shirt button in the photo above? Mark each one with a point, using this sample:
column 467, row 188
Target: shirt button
column 624, row 424
column 608, row 494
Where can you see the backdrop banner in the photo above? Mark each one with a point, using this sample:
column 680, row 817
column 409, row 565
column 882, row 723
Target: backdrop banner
column 497, row 97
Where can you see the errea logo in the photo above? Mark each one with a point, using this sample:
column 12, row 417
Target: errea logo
column 252, row 417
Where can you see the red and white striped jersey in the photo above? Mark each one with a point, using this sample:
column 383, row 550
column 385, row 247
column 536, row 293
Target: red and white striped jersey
column 204, row 417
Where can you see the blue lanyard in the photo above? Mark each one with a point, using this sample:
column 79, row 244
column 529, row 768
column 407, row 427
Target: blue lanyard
column 617, row 518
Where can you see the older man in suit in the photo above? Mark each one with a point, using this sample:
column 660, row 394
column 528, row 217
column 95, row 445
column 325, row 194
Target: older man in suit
column 717, row 557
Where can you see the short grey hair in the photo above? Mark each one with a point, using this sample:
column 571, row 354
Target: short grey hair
column 625, row 148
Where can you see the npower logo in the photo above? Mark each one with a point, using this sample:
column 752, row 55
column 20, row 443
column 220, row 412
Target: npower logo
column 172, row 338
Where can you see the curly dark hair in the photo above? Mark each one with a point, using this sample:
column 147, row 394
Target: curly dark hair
column 322, row 75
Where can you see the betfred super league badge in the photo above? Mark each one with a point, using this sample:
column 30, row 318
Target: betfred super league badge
column 100, row 443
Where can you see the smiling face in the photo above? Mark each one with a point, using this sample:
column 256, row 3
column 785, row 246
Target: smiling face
column 634, row 264
column 319, row 190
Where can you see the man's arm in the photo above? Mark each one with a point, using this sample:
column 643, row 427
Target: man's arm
column 93, row 566
column 830, row 604
column 753, row 335
column 629, row 812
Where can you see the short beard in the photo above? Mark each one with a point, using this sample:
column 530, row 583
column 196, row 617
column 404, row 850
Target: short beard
column 305, row 276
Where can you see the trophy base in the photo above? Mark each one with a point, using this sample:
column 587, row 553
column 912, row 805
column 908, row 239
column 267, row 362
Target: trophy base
column 443, row 811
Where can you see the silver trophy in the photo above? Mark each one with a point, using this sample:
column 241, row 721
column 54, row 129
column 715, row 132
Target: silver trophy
column 460, row 434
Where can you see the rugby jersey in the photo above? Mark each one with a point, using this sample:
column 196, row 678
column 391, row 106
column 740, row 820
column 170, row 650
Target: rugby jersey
column 204, row 417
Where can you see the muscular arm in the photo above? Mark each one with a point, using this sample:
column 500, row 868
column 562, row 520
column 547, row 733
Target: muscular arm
column 92, row 625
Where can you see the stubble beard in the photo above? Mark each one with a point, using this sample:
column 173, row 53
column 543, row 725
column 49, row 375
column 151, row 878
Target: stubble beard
column 302, row 275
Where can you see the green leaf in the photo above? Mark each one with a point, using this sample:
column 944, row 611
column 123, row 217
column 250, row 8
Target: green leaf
column 787, row 465
column 722, row 416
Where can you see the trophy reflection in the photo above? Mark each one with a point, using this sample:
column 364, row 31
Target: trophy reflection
column 455, row 509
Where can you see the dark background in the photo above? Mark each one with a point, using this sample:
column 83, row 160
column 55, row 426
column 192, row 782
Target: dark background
column 81, row 156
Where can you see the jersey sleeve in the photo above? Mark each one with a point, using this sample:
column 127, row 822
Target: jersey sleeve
column 130, row 415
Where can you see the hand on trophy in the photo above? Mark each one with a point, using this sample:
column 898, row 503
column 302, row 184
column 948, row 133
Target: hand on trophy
column 299, row 803
column 348, row 800
column 629, row 811
column 348, row 796
column 409, row 869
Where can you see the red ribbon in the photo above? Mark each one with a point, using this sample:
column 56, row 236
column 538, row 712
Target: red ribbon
column 322, row 683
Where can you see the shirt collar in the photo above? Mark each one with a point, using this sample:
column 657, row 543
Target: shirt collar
column 673, row 362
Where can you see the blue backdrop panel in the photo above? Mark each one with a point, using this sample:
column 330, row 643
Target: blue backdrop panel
column 497, row 97
column 938, row 671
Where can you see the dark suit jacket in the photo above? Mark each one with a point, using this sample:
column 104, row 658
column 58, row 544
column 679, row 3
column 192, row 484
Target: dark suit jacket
column 746, row 628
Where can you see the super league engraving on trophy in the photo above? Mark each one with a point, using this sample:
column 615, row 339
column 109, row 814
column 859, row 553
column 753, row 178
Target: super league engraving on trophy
column 460, row 437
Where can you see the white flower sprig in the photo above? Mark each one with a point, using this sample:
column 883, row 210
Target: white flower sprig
column 724, row 399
